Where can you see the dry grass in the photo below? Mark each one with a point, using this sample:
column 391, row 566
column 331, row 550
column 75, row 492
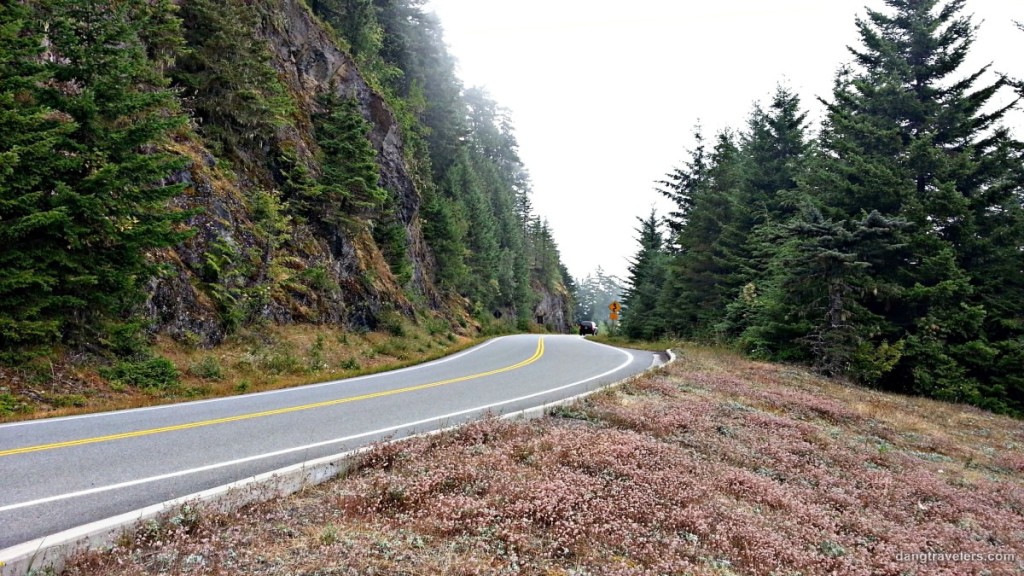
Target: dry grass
column 714, row 466
column 255, row 359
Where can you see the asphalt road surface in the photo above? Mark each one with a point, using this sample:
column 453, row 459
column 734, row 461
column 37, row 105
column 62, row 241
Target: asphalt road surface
column 65, row 472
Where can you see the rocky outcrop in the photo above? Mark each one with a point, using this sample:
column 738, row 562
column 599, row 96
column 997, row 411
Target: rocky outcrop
column 247, row 261
column 552, row 310
column 233, row 271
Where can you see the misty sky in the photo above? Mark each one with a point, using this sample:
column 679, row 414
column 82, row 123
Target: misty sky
column 604, row 95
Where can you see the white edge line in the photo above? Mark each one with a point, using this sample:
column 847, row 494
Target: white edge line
column 381, row 431
column 293, row 389
column 23, row 556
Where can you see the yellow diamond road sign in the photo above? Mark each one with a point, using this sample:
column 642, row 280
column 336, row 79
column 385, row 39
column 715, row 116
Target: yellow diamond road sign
column 615, row 307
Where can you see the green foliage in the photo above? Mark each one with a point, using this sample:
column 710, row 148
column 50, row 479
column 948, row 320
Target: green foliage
column 392, row 322
column 81, row 175
column 64, row 401
column 475, row 209
column 282, row 361
column 226, row 77
column 392, row 238
column 315, row 361
column 223, row 275
column 349, row 187
column 640, row 319
column 11, row 404
column 151, row 374
column 125, row 339
column 888, row 250
column 208, row 368
column 356, row 21
column 445, row 229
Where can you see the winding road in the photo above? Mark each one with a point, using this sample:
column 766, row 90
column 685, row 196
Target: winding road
column 65, row 472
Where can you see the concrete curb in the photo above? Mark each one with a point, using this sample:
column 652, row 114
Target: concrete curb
column 49, row 554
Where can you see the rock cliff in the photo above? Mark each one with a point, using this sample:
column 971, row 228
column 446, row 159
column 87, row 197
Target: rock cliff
column 248, row 261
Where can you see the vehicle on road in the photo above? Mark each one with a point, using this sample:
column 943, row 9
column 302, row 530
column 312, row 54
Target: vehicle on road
column 588, row 327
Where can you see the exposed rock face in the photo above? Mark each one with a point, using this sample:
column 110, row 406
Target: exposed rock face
column 229, row 271
column 237, row 267
column 552, row 311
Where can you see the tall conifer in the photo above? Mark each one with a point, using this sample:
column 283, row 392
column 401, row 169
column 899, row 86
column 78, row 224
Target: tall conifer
column 645, row 283
column 87, row 198
column 909, row 137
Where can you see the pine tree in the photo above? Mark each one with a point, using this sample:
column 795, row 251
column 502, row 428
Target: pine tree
column 906, row 138
column 84, row 198
column 226, row 77
column 349, row 187
column 641, row 317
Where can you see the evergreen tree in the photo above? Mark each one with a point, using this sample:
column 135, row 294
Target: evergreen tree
column 703, row 276
column 415, row 65
column 349, row 188
column 811, row 309
column 774, row 150
column 83, row 197
column 640, row 302
column 906, row 138
column 226, row 78
column 482, row 255
column 445, row 228
column 356, row 21
column 683, row 184
column 30, row 310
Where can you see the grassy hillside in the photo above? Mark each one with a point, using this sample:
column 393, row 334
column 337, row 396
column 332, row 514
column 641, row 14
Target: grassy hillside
column 714, row 465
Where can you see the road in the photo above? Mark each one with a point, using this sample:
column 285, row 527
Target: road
column 65, row 472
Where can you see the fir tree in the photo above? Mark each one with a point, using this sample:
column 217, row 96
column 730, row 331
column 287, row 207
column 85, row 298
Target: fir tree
column 482, row 256
column 31, row 307
column 640, row 302
column 445, row 228
column 350, row 185
column 703, row 276
column 909, row 139
column 681, row 185
column 774, row 150
column 86, row 198
column 226, row 77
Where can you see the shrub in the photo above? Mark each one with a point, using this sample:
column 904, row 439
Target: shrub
column 154, row 374
column 10, row 404
column 67, row 400
column 392, row 322
column 208, row 368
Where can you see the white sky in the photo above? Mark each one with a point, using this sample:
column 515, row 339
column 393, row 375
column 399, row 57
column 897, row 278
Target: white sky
column 604, row 95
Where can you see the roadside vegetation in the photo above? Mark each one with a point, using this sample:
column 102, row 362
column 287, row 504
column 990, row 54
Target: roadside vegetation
column 255, row 359
column 715, row 465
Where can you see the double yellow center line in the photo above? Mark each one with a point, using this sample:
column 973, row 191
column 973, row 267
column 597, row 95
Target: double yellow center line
column 251, row 416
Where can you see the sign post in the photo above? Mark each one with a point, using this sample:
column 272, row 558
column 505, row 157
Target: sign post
column 614, row 308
